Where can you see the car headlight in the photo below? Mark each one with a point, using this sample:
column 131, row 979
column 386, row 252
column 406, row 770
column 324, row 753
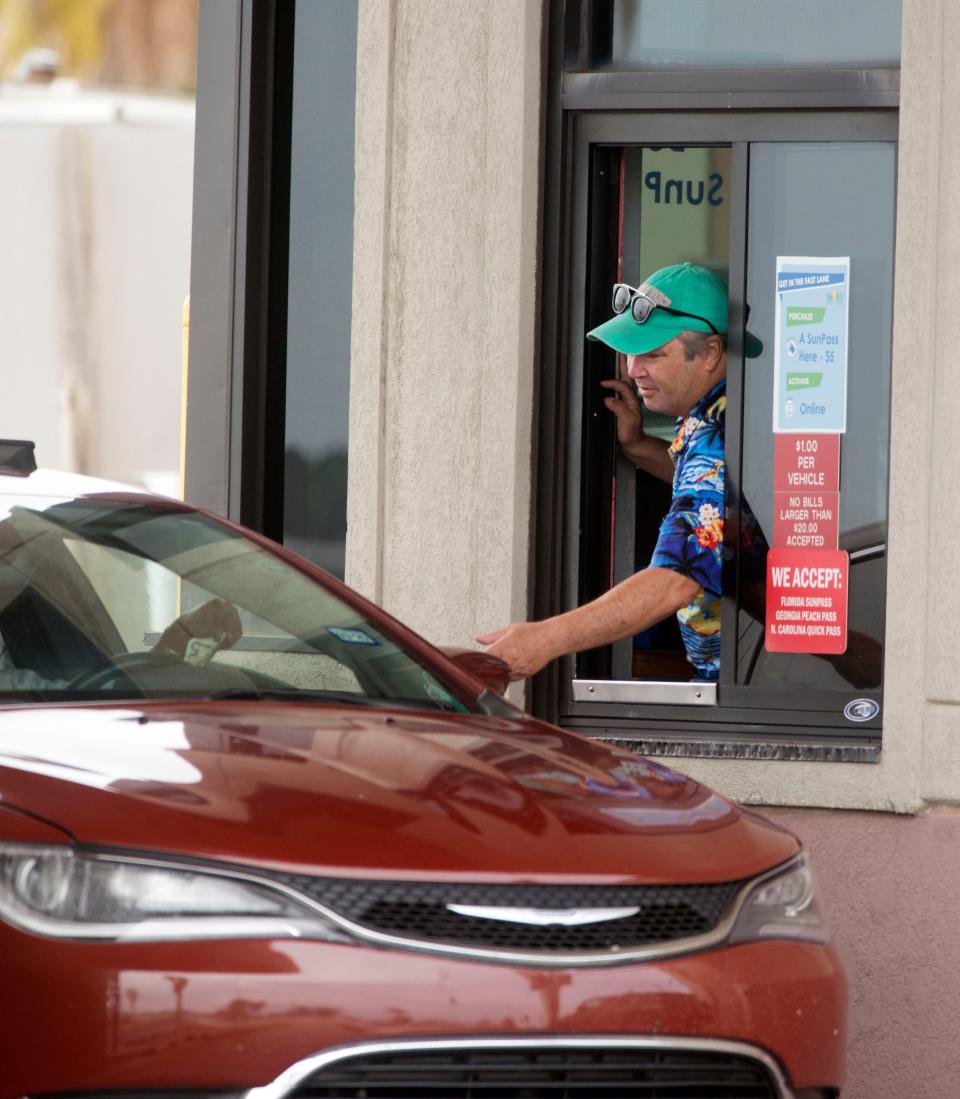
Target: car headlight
column 58, row 892
column 783, row 905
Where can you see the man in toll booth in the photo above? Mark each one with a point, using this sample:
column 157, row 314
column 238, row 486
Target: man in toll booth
column 672, row 330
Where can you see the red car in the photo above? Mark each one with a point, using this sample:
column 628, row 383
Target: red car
column 259, row 840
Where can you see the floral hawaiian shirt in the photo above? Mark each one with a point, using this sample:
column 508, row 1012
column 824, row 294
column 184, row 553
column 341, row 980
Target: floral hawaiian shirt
column 691, row 534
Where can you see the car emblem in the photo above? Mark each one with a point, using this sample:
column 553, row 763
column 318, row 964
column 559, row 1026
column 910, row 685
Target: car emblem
column 861, row 709
column 543, row 917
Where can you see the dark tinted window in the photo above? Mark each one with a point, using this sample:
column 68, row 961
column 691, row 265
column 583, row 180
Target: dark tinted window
column 321, row 272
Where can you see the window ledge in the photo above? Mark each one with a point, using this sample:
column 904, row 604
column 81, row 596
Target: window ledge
column 819, row 751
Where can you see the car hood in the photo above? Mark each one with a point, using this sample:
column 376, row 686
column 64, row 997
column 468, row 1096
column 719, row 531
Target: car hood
column 355, row 792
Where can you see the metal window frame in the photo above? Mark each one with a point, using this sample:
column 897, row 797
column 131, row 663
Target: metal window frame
column 585, row 108
column 754, row 89
column 239, row 262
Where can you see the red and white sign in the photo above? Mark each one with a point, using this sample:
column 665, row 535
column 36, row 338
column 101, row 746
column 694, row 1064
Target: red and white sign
column 806, row 463
column 806, row 520
column 807, row 600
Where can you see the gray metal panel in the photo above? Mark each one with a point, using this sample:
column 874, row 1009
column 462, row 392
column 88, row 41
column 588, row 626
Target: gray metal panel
column 643, row 690
column 213, row 257
column 759, row 89
column 728, row 127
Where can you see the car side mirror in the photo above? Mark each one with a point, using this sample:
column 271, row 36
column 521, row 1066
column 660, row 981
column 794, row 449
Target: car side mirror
column 492, row 672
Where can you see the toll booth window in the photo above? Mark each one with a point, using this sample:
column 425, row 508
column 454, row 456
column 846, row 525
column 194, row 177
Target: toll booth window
column 808, row 228
column 755, row 34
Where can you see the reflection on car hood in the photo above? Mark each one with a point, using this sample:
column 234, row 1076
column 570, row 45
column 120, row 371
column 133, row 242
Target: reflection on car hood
column 356, row 792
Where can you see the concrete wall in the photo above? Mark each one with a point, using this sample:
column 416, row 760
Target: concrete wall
column 890, row 886
column 95, row 219
column 444, row 308
column 29, row 336
column 141, row 200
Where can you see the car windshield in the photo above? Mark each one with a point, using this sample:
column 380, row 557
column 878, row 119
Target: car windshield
column 107, row 599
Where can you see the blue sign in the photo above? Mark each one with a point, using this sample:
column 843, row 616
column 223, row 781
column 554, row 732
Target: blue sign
column 810, row 345
column 352, row 635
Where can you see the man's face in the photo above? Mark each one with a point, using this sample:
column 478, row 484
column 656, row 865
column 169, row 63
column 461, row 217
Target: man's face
column 669, row 382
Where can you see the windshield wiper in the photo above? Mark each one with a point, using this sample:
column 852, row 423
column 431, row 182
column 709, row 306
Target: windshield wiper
column 277, row 694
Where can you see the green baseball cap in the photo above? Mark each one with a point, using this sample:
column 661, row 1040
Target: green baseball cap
column 696, row 293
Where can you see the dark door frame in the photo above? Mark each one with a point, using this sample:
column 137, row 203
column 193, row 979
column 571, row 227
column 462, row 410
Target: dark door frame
column 239, row 261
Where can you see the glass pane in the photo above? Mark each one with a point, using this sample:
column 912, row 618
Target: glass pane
column 672, row 206
column 755, row 34
column 320, row 290
column 823, row 200
column 676, row 209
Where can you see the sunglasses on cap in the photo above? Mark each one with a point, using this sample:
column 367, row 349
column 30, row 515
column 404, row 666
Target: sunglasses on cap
column 641, row 307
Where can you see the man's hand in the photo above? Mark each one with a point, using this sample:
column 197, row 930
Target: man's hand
column 525, row 647
column 625, row 405
column 645, row 451
column 217, row 620
column 634, row 604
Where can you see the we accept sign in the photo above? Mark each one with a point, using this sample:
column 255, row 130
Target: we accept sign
column 807, row 601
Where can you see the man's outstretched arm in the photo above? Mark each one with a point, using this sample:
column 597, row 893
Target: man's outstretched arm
column 633, row 605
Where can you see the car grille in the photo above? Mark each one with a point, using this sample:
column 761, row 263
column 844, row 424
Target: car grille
column 418, row 911
column 542, row 1074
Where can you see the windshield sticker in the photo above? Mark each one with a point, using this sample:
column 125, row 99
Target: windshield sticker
column 352, row 635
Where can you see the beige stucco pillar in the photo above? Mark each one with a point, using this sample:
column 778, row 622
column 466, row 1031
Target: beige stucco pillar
column 929, row 320
column 444, row 310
